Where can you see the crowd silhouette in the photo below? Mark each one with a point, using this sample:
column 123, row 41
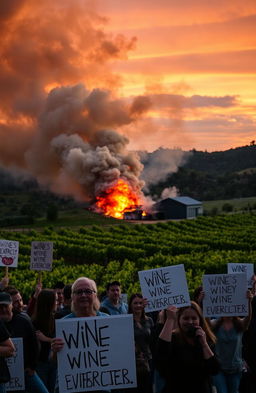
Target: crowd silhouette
column 176, row 349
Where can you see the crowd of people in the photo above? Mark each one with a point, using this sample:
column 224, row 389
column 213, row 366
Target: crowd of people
column 176, row 350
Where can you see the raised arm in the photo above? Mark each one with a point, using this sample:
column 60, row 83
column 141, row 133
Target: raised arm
column 170, row 324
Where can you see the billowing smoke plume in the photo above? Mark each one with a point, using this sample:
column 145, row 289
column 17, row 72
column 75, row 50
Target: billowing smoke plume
column 58, row 100
column 72, row 151
column 51, row 125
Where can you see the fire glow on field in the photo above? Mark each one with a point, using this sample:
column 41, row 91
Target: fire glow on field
column 117, row 200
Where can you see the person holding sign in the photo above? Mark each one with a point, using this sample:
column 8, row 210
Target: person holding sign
column 18, row 326
column 85, row 303
column 229, row 332
column 184, row 355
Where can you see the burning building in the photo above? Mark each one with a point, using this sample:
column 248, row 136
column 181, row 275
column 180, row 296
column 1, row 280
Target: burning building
column 118, row 200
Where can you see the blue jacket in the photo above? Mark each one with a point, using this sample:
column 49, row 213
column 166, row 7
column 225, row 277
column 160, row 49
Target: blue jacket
column 121, row 308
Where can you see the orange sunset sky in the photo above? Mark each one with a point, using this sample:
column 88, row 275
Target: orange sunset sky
column 179, row 73
column 200, row 54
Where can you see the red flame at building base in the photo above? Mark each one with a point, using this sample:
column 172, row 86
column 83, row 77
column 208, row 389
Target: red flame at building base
column 118, row 199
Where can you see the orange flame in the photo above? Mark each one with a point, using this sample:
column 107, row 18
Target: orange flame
column 117, row 200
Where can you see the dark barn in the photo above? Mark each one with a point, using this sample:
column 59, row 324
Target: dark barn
column 177, row 208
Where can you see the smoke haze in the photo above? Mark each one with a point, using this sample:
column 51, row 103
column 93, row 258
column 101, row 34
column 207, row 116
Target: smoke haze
column 59, row 105
column 160, row 163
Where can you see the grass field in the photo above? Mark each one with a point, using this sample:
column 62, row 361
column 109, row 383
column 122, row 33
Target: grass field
column 78, row 217
column 238, row 204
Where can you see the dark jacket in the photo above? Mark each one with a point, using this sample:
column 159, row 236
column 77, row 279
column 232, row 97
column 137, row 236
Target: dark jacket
column 22, row 327
column 183, row 366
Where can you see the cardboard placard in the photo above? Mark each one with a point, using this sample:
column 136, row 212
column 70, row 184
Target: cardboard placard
column 163, row 287
column 98, row 354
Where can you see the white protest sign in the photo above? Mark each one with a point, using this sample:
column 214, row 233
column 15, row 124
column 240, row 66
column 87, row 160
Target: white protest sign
column 16, row 367
column 98, row 353
column 41, row 255
column 225, row 295
column 242, row 268
column 163, row 287
column 9, row 252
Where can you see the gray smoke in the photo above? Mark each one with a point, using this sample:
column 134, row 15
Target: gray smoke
column 71, row 154
column 162, row 162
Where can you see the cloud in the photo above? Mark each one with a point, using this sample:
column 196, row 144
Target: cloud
column 243, row 61
column 172, row 12
column 195, row 101
column 203, row 37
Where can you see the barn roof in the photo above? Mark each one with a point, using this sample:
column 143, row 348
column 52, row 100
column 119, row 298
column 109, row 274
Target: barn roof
column 186, row 200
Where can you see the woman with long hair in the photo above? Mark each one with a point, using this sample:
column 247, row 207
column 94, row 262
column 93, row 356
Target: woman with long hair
column 229, row 332
column 44, row 323
column 143, row 328
column 185, row 356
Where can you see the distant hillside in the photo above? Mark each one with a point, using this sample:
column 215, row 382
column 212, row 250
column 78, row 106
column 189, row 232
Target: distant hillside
column 211, row 176
column 233, row 160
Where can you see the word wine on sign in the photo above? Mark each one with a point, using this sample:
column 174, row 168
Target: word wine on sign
column 243, row 268
column 93, row 354
column 163, row 287
column 9, row 252
column 41, row 255
column 225, row 295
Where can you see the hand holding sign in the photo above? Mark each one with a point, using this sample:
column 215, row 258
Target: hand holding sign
column 171, row 312
column 57, row 344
